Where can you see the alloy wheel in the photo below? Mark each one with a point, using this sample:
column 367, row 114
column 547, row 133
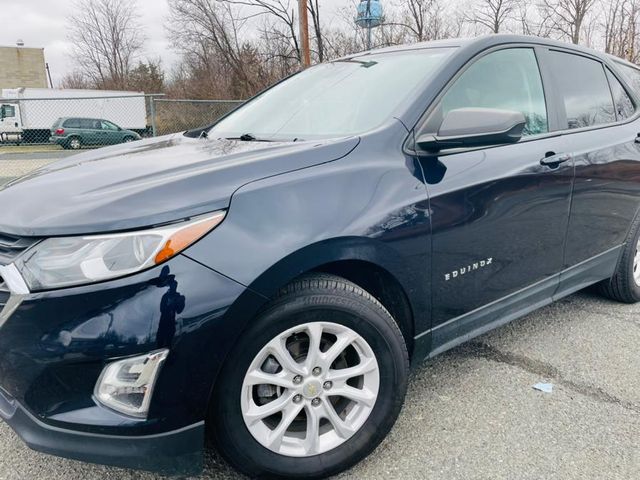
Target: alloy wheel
column 310, row 389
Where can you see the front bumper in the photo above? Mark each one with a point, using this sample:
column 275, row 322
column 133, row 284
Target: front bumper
column 54, row 345
column 169, row 453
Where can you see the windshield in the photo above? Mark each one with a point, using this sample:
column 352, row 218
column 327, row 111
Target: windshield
column 344, row 97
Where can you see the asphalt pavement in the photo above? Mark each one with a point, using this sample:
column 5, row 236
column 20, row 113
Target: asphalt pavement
column 472, row 413
column 14, row 163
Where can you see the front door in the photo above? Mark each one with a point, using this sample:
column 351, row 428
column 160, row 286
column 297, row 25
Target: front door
column 499, row 215
column 111, row 132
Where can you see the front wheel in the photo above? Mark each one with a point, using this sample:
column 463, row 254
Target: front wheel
column 314, row 384
column 128, row 139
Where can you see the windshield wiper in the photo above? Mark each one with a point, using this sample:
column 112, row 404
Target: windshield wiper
column 248, row 137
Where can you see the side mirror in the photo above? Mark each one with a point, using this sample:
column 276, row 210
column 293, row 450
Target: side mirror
column 474, row 127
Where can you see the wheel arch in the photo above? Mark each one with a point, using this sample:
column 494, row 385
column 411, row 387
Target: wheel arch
column 370, row 264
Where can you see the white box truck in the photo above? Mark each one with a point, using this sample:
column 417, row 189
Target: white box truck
column 27, row 114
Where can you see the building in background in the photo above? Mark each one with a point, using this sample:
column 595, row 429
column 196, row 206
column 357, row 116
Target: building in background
column 22, row 67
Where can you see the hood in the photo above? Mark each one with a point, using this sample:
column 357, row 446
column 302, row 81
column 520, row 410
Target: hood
column 148, row 182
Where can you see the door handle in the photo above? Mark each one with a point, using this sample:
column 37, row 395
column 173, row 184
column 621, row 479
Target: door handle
column 552, row 160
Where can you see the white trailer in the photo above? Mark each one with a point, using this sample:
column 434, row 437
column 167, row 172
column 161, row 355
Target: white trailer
column 27, row 114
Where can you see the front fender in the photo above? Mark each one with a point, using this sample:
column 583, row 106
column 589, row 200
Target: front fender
column 370, row 206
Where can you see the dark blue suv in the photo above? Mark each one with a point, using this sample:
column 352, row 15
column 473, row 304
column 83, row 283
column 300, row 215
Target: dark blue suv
column 268, row 280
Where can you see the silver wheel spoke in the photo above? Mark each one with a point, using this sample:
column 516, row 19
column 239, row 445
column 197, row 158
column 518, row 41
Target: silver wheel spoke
column 283, row 356
column 342, row 342
column 365, row 366
column 258, row 377
column 315, row 336
column 289, row 414
column 312, row 439
column 363, row 396
column 257, row 413
column 342, row 429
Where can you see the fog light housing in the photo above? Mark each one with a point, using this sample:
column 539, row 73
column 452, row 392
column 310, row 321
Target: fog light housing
column 126, row 386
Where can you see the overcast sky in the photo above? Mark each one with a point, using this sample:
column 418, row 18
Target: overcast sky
column 44, row 23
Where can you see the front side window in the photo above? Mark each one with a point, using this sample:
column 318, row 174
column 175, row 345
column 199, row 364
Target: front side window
column 108, row 125
column 344, row 97
column 584, row 89
column 506, row 80
column 8, row 111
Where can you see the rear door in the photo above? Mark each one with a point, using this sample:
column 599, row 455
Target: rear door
column 499, row 215
column 600, row 125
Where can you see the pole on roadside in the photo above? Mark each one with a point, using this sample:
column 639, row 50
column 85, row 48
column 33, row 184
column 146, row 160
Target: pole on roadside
column 152, row 107
column 304, row 33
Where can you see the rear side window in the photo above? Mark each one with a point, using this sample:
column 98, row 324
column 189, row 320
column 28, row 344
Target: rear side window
column 623, row 105
column 72, row 123
column 631, row 75
column 584, row 88
column 508, row 80
column 89, row 124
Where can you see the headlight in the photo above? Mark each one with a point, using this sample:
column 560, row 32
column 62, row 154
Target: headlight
column 69, row 261
column 127, row 385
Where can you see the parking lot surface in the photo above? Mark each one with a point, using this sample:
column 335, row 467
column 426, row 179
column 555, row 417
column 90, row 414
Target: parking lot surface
column 18, row 161
column 472, row 413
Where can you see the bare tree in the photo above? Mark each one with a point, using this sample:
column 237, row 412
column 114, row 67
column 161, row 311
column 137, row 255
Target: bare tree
column 620, row 28
column 283, row 14
column 566, row 18
column 427, row 20
column 208, row 34
column 314, row 12
column 493, row 14
column 107, row 39
column 75, row 79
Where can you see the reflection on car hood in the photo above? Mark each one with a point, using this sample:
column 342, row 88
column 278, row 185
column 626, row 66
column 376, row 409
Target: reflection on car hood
column 149, row 182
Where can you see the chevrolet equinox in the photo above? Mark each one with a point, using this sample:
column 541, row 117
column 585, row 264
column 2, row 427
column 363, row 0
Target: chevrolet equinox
column 267, row 281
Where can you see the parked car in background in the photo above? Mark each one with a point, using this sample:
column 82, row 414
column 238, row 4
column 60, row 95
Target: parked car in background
column 269, row 280
column 74, row 133
column 28, row 113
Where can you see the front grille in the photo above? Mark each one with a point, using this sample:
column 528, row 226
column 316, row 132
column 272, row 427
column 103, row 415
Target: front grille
column 11, row 246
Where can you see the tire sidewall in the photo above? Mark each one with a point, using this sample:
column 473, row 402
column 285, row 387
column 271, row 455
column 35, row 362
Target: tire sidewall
column 370, row 323
column 630, row 255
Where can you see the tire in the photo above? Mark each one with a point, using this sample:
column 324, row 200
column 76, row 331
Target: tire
column 74, row 143
column 624, row 286
column 314, row 303
column 128, row 139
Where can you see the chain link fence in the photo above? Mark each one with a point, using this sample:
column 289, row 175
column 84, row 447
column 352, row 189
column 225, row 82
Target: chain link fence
column 179, row 115
column 38, row 130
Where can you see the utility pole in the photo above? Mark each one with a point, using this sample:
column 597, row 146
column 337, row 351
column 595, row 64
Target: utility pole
column 46, row 66
column 304, row 33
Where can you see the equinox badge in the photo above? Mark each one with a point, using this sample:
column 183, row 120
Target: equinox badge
column 464, row 270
